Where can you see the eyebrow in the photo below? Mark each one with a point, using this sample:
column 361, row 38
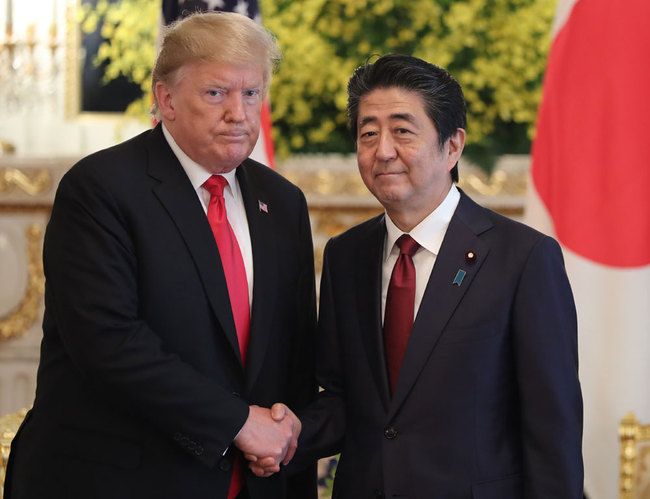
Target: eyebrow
column 395, row 116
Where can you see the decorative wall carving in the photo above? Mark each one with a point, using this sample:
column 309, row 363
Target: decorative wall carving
column 9, row 425
column 27, row 188
column 31, row 183
column 18, row 321
column 635, row 458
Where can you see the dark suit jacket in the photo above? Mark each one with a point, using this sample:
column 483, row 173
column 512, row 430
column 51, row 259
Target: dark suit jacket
column 487, row 403
column 141, row 387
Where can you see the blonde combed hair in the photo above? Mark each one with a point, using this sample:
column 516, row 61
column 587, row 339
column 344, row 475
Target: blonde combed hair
column 213, row 37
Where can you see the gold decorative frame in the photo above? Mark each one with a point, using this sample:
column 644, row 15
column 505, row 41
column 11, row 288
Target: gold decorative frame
column 34, row 184
column 9, row 425
column 73, row 83
column 632, row 433
column 18, row 322
column 72, row 69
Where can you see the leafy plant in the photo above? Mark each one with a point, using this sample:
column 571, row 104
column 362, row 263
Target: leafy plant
column 496, row 49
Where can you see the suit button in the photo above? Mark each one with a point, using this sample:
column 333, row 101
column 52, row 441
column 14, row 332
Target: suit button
column 236, row 394
column 378, row 494
column 224, row 464
column 198, row 451
column 390, row 433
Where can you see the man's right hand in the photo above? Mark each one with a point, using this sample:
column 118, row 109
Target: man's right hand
column 269, row 435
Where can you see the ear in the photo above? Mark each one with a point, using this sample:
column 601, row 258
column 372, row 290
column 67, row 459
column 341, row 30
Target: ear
column 165, row 100
column 456, row 144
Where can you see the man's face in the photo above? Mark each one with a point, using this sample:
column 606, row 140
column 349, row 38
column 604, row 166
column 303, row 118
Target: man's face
column 213, row 112
column 398, row 153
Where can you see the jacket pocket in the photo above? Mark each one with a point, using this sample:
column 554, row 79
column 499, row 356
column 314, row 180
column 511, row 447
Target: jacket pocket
column 504, row 488
column 100, row 448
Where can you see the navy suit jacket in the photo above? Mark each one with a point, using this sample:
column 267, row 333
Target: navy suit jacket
column 141, row 387
column 487, row 403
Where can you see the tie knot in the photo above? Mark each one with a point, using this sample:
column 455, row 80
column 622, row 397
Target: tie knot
column 407, row 245
column 215, row 184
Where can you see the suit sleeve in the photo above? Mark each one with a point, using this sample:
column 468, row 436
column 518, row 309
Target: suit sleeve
column 545, row 342
column 303, row 383
column 324, row 420
column 92, row 275
column 303, row 386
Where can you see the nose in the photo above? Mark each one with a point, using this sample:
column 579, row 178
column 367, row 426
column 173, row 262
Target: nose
column 386, row 148
column 234, row 108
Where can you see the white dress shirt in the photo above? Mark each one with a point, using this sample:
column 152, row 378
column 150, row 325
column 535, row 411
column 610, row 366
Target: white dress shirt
column 429, row 234
column 232, row 197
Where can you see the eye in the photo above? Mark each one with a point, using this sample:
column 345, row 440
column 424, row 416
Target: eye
column 251, row 93
column 402, row 131
column 370, row 133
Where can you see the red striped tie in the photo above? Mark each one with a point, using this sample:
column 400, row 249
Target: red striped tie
column 233, row 266
column 400, row 305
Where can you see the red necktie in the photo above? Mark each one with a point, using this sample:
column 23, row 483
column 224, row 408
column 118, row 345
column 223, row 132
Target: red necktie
column 400, row 304
column 233, row 266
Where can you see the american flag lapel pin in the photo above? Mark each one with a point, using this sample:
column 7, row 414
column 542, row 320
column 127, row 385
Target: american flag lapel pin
column 263, row 206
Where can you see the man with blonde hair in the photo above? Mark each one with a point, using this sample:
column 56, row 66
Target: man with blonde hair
column 179, row 302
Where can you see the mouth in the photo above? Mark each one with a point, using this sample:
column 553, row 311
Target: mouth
column 234, row 136
column 388, row 174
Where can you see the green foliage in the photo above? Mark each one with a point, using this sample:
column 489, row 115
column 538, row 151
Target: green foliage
column 495, row 48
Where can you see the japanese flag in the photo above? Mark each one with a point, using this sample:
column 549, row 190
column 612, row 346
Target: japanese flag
column 590, row 188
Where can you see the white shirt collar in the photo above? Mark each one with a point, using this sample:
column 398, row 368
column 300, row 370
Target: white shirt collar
column 196, row 173
column 430, row 232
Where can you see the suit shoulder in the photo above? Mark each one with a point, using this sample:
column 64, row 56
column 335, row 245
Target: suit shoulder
column 360, row 232
column 267, row 176
column 113, row 160
column 482, row 219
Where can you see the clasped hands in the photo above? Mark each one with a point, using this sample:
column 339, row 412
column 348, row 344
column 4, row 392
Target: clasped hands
column 269, row 438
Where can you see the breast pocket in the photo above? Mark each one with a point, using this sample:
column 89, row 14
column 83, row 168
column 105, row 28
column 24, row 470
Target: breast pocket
column 470, row 334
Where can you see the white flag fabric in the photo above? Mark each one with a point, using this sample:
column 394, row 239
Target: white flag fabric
column 590, row 188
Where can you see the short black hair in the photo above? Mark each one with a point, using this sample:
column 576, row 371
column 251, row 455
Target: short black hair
column 441, row 93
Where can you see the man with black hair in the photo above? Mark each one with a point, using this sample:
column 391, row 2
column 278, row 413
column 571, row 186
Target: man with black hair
column 447, row 332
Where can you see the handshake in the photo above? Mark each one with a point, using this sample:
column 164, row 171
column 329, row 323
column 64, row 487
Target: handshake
column 269, row 438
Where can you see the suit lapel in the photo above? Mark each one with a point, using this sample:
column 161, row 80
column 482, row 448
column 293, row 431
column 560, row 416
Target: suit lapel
column 179, row 198
column 368, row 266
column 260, row 225
column 442, row 295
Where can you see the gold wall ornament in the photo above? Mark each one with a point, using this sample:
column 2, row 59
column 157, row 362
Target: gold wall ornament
column 20, row 319
column 634, row 480
column 9, row 425
column 7, row 147
column 499, row 183
column 32, row 183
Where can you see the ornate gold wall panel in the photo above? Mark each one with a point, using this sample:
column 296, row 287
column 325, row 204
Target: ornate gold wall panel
column 31, row 183
column 19, row 320
column 635, row 458
column 27, row 188
column 9, row 425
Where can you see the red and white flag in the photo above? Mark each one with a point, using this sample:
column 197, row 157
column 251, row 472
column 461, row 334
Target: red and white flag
column 590, row 188
column 264, row 151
